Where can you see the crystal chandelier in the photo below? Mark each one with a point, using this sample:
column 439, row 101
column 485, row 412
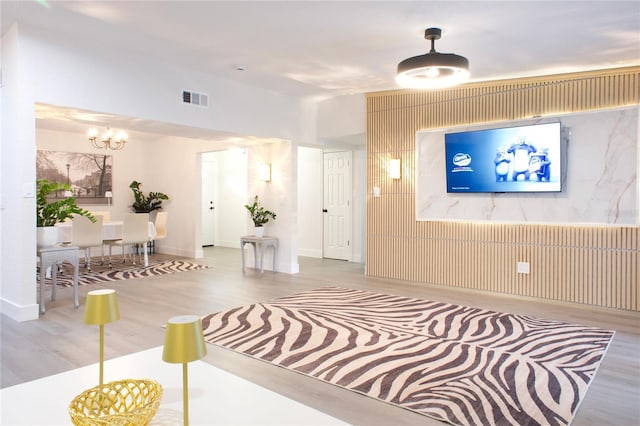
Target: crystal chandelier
column 108, row 140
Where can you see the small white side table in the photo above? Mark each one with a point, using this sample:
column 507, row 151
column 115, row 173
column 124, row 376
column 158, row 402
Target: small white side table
column 260, row 243
column 51, row 257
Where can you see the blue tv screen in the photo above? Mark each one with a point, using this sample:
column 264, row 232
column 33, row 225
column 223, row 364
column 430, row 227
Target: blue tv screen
column 510, row 159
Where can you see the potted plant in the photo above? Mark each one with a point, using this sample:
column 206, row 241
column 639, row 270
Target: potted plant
column 259, row 215
column 48, row 213
column 146, row 203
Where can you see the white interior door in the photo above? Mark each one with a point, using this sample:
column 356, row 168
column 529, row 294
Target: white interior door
column 209, row 178
column 337, row 205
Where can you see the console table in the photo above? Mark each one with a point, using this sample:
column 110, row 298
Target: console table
column 260, row 243
column 51, row 257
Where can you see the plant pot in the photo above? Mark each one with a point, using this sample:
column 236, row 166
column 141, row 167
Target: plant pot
column 46, row 236
column 259, row 231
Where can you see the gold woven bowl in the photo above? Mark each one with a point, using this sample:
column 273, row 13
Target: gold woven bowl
column 124, row 402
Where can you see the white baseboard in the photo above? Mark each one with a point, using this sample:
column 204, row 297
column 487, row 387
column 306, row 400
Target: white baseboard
column 19, row 313
column 229, row 244
column 310, row 253
column 173, row 251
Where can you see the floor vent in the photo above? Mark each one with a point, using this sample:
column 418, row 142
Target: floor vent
column 195, row 98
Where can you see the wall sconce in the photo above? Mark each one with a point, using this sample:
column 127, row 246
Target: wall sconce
column 109, row 196
column 101, row 307
column 183, row 343
column 265, row 172
column 394, row 168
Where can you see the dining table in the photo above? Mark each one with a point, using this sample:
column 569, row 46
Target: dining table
column 111, row 230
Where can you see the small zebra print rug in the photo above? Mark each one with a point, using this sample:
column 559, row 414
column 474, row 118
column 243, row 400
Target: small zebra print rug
column 461, row 365
column 102, row 274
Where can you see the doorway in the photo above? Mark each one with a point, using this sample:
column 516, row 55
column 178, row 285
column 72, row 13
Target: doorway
column 209, row 201
column 338, row 206
column 224, row 193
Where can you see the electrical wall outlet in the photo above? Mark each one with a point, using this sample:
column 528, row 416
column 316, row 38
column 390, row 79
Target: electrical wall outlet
column 522, row 267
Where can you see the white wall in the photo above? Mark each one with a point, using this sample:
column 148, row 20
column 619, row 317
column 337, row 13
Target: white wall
column 310, row 201
column 231, row 194
column 113, row 81
column 128, row 164
column 341, row 116
column 17, row 192
column 280, row 196
column 173, row 166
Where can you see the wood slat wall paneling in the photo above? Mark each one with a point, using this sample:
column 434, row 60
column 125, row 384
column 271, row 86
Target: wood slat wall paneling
column 596, row 265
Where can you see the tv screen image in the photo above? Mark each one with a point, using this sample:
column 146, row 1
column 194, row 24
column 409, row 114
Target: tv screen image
column 510, row 159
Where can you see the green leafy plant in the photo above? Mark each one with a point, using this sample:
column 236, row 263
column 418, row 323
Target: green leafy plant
column 259, row 215
column 146, row 203
column 48, row 213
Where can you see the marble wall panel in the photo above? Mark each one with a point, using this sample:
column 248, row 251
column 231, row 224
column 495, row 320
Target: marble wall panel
column 600, row 183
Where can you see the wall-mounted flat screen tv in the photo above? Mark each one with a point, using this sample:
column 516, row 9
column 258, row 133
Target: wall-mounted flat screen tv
column 510, row 159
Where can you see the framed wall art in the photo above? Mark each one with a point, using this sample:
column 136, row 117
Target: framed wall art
column 89, row 175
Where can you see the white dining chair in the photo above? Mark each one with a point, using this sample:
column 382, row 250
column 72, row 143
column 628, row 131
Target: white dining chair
column 106, row 218
column 86, row 234
column 161, row 226
column 135, row 232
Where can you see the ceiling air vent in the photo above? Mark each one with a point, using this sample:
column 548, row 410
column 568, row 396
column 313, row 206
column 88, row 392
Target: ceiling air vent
column 194, row 98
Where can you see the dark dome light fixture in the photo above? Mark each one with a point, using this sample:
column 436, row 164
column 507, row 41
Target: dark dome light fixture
column 432, row 70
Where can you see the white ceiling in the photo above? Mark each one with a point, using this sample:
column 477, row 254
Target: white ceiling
column 330, row 48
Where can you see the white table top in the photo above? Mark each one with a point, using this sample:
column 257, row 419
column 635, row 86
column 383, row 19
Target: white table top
column 57, row 247
column 215, row 396
column 254, row 239
column 110, row 230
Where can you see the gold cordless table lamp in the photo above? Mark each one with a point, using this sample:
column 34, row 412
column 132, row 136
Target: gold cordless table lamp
column 183, row 343
column 101, row 308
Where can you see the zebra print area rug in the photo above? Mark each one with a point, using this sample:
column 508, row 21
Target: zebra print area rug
column 462, row 365
column 102, row 274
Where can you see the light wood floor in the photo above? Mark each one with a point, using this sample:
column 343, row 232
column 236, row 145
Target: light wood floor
column 59, row 341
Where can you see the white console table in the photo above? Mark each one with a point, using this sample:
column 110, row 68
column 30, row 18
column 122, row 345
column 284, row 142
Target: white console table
column 51, row 257
column 260, row 243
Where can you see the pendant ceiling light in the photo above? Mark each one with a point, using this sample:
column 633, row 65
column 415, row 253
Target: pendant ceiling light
column 432, row 70
column 109, row 139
